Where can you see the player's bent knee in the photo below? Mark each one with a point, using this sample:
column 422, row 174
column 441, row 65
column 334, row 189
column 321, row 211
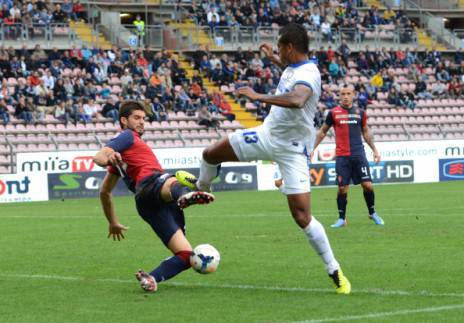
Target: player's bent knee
column 343, row 189
column 367, row 186
column 301, row 217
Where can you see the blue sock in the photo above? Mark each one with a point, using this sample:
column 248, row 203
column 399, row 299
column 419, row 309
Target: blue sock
column 177, row 190
column 170, row 268
column 341, row 204
column 369, row 197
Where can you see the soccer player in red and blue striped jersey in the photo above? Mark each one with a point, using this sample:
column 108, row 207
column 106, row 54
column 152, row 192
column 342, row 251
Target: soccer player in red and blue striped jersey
column 159, row 198
column 351, row 165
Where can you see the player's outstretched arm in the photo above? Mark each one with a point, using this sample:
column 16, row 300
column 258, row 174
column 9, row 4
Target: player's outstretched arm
column 266, row 48
column 295, row 99
column 320, row 136
column 115, row 228
column 370, row 141
column 107, row 156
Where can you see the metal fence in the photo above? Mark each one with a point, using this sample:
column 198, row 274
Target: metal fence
column 36, row 32
column 223, row 36
column 129, row 36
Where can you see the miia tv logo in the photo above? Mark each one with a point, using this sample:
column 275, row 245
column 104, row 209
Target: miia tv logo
column 52, row 164
column 15, row 187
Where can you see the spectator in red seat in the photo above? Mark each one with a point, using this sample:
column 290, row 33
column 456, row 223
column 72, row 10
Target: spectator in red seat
column 196, row 89
column 223, row 106
column 34, row 79
column 78, row 10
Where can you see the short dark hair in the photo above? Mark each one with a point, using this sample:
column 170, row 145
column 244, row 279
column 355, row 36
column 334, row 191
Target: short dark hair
column 295, row 34
column 127, row 107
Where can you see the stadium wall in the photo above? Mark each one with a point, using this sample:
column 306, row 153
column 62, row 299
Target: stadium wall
column 73, row 174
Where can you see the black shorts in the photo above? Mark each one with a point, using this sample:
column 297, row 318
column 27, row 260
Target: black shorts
column 352, row 169
column 164, row 218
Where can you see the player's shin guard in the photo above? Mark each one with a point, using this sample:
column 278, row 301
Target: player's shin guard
column 370, row 199
column 208, row 172
column 320, row 243
column 177, row 190
column 172, row 266
column 341, row 204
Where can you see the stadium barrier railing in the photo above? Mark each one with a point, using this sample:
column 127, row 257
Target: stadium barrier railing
column 37, row 32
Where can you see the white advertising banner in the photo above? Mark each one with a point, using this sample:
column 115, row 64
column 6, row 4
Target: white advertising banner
column 23, row 188
column 425, row 155
column 82, row 161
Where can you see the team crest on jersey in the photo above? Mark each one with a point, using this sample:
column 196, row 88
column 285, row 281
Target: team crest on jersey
column 288, row 75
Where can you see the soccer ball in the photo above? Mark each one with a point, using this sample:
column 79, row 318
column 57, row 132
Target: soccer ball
column 205, row 259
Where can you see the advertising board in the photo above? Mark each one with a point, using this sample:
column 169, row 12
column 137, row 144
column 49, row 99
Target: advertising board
column 87, row 184
column 23, row 188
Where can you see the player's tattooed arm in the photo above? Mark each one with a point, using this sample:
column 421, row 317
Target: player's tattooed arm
column 295, row 99
column 107, row 156
column 370, row 141
column 320, row 136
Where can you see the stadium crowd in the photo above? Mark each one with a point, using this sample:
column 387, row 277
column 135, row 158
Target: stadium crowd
column 81, row 84
column 13, row 13
column 429, row 75
column 325, row 16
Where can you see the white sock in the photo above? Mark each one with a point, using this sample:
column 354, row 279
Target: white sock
column 207, row 173
column 320, row 243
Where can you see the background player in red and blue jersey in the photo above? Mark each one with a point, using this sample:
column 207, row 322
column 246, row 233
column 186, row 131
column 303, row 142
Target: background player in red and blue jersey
column 159, row 198
column 351, row 165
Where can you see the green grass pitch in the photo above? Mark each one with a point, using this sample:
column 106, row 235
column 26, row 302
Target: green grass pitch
column 57, row 265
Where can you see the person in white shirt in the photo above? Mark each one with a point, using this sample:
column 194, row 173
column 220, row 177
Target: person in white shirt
column 212, row 12
column 286, row 137
column 326, row 31
column 48, row 80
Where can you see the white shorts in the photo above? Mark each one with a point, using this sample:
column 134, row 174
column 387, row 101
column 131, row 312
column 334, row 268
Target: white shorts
column 256, row 144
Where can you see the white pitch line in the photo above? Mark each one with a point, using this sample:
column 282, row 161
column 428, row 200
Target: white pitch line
column 374, row 291
column 255, row 215
column 386, row 314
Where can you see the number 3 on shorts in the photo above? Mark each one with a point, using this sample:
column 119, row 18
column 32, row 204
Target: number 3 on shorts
column 250, row 137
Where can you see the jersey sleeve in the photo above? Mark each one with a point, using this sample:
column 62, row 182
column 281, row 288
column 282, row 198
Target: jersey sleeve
column 310, row 77
column 112, row 170
column 329, row 119
column 363, row 119
column 122, row 141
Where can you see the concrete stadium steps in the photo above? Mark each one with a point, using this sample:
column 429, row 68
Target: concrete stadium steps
column 85, row 33
column 247, row 119
column 374, row 3
column 425, row 40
